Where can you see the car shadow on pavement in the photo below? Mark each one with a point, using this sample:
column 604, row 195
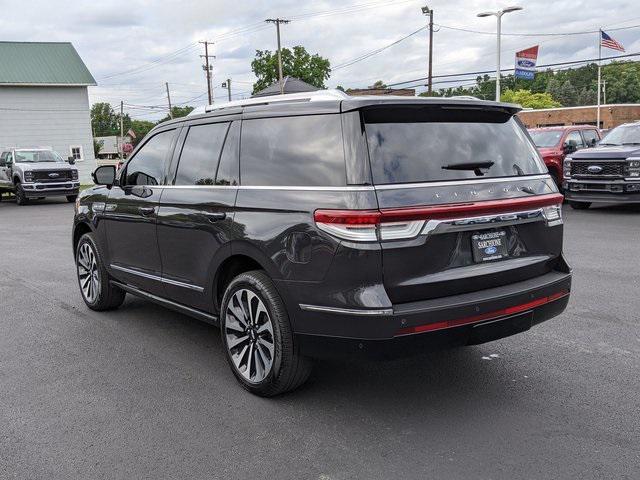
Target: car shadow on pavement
column 461, row 375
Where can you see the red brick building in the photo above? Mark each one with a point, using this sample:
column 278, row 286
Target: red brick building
column 610, row 116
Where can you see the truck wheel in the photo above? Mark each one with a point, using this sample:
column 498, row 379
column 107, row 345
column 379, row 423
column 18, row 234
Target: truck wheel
column 579, row 205
column 71, row 198
column 21, row 197
column 257, row 337
column 97, row 292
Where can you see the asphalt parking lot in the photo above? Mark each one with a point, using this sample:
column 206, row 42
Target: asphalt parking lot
column 144, row 392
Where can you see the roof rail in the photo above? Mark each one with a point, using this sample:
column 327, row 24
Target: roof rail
column 317, row 96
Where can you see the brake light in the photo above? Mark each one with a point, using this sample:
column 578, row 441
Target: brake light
column 405, row 223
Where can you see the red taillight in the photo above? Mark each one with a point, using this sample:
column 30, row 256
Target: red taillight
column 347, row 217
column 430, row 327
column 455, row 210
column 404, row 223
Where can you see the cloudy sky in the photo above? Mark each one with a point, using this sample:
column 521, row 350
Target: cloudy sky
column 132, row 47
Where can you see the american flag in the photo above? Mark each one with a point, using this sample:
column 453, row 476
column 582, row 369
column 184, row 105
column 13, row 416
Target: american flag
column 608, row 42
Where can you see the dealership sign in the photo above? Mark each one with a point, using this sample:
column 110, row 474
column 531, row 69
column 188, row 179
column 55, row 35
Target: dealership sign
column 526, row 63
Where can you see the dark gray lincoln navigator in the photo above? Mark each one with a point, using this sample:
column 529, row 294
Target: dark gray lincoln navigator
column 320, row 224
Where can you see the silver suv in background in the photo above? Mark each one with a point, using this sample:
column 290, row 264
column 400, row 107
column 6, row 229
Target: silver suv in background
column 37, row 173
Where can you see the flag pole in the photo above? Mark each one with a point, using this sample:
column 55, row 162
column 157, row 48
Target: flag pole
column 599, row 74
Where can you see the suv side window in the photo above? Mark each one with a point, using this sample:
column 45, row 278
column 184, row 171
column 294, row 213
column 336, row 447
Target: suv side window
column 575, row 136
column 590, row 137
column 200, row 154
column 228, row 173
column 293, row 151
column 147, row 166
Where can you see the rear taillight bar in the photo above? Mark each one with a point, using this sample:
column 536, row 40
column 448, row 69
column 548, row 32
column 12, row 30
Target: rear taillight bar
column 505, row 312
column 404, row 223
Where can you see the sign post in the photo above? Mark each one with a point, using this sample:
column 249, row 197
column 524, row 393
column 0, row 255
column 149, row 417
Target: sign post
column 526, row 63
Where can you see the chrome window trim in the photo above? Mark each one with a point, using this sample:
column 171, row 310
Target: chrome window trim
column 157, row 278
column 363, row 188
column 346, row 311
column 473, row 181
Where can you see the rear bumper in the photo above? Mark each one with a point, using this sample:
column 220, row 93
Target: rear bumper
column 415, row 327
column 34, row 190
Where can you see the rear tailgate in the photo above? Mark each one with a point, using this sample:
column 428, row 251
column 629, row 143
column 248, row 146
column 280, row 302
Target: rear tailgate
column 466, row 201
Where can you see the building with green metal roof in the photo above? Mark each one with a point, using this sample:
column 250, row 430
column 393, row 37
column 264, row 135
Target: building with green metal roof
column 44, row 100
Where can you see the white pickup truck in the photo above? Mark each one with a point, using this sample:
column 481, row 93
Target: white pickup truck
column 37, row 173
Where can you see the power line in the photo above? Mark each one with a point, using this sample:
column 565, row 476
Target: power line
column 541, row 34
column 158, row 61
column 512, row 69
column 364, row 56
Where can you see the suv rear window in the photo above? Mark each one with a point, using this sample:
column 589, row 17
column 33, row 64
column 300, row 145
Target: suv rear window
column 293, row 151
column 439, row 145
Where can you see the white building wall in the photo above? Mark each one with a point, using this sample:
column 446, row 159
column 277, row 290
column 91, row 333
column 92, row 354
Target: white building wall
column 56, row 117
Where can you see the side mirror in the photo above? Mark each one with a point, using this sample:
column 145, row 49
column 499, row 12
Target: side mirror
column 570, row 146
column 71, row 159
column 104, row 175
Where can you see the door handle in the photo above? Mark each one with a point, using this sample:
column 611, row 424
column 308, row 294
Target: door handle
column 146, row 211
column 216, row 216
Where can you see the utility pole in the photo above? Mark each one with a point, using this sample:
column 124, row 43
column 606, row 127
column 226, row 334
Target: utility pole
column 278, row 21
column 604, row 92
column 227, row 84
column 169, row 100
column 207, row 68
column 427, row 11
column 121, row 148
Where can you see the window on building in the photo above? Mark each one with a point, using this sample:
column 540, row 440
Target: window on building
column 76, row 153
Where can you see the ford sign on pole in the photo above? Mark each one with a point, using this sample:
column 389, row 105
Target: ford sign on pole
column 526, row 63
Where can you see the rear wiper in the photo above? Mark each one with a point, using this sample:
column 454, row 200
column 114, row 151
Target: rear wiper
column 475, row 166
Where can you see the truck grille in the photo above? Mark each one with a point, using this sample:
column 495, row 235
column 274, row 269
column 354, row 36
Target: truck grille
column 56, row 176
column 609, row 169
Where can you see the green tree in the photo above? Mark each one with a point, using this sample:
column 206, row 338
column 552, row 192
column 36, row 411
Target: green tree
column 103, row 119
column 528, row 99
column 379, row 84
column 177, row 112
column 297, row 63
column 97, row 146
column 140, row 128
column 563, row 91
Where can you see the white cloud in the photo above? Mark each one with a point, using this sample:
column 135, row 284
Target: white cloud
column 117, row 36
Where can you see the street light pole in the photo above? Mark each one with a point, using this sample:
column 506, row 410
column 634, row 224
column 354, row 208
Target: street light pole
column 427, row 11
column 498, row 16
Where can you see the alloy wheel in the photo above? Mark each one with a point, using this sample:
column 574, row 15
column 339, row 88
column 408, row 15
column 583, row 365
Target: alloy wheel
column 249, row 335
column 88, row 273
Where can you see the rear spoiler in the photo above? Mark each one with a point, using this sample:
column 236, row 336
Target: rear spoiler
column 371, row 102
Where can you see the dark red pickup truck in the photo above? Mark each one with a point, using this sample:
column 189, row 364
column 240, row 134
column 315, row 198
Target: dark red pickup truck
column 554, row 143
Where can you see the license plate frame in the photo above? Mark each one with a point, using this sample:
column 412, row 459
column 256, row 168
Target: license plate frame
column 489, row 246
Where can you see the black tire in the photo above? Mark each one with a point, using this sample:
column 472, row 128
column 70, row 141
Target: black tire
column 288, row 369
column 71, row 198
column 106, row 296
column 579, row 205
column 21, row 197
